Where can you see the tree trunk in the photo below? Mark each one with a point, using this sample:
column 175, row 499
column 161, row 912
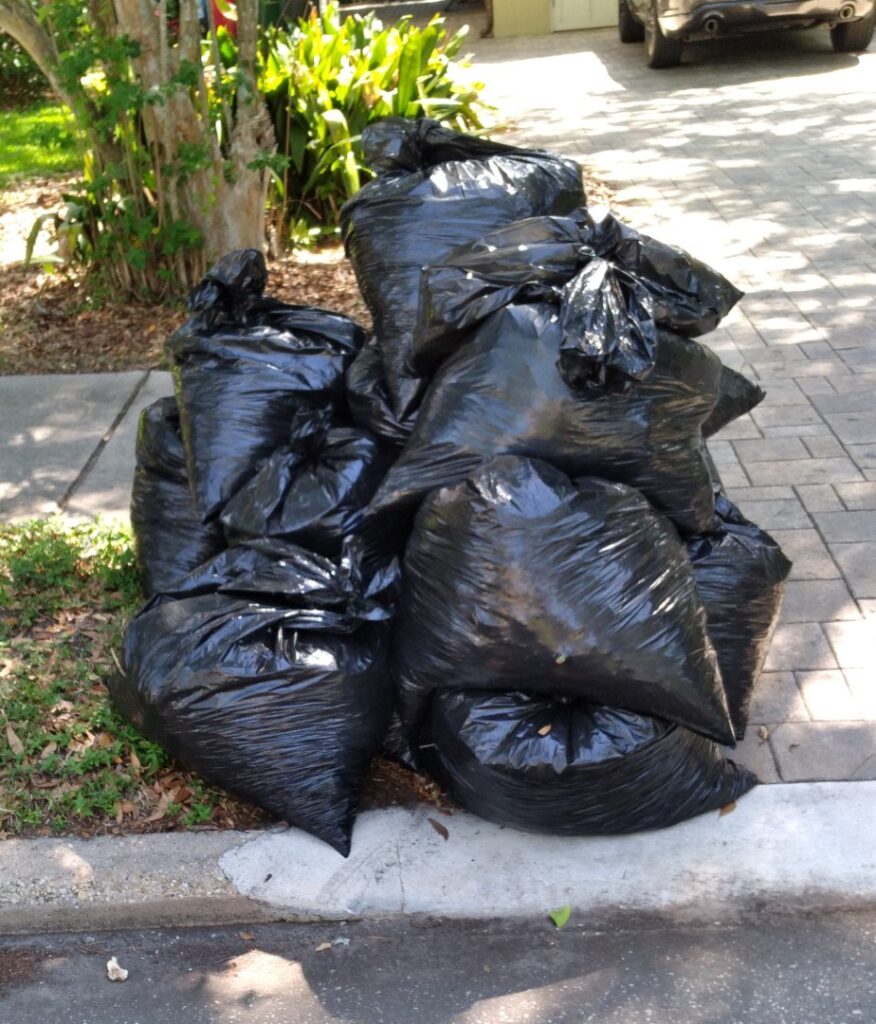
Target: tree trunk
column 203, row 178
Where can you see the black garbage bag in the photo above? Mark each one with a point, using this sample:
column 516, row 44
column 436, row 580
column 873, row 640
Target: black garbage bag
column 243, row 365
column 313, row 490
column 572, row 768
column 613, row 286
column 737, row 395
column 435, row 190
column 265, row 671
column 740, row 573
column 502, row 393
column 519, row 578
column 169, row 537
column 369, row 401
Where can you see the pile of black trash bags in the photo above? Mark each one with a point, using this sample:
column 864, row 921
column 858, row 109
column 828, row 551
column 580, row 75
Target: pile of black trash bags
column 488, row 538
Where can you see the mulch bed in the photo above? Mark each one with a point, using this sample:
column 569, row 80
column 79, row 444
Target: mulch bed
column 48, row 326
column 48, row 323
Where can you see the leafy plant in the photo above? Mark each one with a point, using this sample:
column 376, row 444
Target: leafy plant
column 170, row 138
column 331, row 75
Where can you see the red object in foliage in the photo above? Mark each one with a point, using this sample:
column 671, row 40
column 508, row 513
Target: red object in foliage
column 224, row 20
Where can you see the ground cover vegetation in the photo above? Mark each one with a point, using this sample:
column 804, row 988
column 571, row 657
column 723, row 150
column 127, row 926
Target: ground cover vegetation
column 68, row 762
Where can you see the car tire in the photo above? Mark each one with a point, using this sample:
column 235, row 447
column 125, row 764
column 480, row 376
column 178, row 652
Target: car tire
column 852, row 36
column 661, row 52
column 629, row 28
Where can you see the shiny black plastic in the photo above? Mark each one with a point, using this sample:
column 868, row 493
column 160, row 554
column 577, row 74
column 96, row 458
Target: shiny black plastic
column 740, row 574
column 737, row 395
column 230, row 287
column 242, row 371
column 265, row 671
column 613, row 288
column 572, row 768
column 436, row 190
column 518, row 578
column 368, row 399
column 503, row 393
column 313, row 490
column 169, row 537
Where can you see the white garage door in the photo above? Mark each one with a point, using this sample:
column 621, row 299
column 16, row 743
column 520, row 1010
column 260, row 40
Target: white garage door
column 571, row 14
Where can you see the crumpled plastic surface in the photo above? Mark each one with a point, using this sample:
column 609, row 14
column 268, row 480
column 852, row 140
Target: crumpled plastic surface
column 503, row 393
column 571, row 768
column 312, row 491
column 369, row 401
column 737, row 395
column 740, row 574
column 169, row 538
column 231, row 288
column 265, row 671
column 242, row 370
column 518, row 578
column 613, row 288
column 436, row 189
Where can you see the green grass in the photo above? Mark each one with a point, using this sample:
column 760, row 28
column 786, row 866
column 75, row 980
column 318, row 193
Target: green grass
column 68, row 762
column 38, row 141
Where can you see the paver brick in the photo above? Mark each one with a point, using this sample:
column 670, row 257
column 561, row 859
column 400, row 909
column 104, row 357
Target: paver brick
column 807, row 430
column 818, row 601
column 811, row 559
column 754, row 752
column 847, row 527
column 816, row 385
column 856, row 497
column 858, row 565
column 825, row 751
column 777, row 414
column 862, row 685
column 777, row 698
column 784, row 513
column 853, row 643
column 799, row 645
column 827, row 696
column 823, row 446
column 821, row 497
column 803, row 471
column 770, row 449
column 811, row 368
column 856, row 427
column 848, row 400
column 864, row 457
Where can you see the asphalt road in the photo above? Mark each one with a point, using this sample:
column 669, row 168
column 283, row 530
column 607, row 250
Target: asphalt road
column 769, row 971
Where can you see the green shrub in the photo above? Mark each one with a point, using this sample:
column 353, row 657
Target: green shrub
column 327, row 77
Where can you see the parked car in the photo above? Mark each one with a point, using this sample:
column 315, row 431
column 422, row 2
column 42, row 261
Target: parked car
column 665, row 25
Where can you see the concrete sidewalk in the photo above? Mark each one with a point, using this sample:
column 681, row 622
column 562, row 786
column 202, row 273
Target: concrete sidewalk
column 807, row 847
column 757, row 157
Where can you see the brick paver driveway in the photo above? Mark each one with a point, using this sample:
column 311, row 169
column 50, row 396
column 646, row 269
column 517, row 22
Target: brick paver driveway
column 758, row 155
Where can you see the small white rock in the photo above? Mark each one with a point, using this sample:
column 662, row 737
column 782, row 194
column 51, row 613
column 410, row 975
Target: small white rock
column 114, row 972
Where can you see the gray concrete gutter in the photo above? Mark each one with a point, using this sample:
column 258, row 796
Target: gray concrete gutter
column 807, row 846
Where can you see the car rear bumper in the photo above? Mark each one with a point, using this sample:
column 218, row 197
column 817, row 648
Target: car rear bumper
column 692, row 17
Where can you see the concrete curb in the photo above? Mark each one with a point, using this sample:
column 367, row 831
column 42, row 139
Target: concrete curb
column 787, row 847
